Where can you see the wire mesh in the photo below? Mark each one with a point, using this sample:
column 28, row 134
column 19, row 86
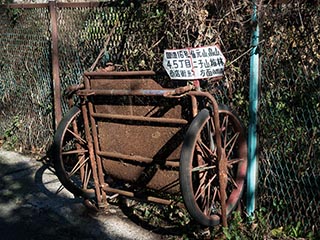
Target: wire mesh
column 289, row 119
column 25, row 79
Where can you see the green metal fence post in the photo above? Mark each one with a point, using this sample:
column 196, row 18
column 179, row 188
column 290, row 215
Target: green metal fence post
column 253, row 114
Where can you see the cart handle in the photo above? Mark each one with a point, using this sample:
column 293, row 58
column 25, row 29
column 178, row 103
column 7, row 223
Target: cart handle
column 72, row 89
column 178, row 92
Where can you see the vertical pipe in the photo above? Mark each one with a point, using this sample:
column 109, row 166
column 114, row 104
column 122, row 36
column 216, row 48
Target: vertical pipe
column 55, row 64
column 253, row 114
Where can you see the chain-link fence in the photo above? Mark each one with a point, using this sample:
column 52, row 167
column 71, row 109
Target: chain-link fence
column 135, row 35
column 290, row 117
column 25, row 79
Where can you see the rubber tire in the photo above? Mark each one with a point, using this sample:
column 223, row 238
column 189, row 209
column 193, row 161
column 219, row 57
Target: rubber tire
column 58, row 161
column 186, row 161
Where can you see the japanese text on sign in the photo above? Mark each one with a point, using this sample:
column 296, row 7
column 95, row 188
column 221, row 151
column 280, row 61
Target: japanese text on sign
column 194, row 63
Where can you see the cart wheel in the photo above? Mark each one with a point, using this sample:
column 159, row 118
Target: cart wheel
column 199, row 176
column 71, row 157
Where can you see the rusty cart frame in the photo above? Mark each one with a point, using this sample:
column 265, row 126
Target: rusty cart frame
column 128, row 135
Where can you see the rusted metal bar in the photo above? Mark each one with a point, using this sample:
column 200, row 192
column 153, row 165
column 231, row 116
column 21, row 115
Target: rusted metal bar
column 103, row 202
column 93, row 147
column 91, row 153
column 58, row 4
column 223, row 181
column 25, row 5
column 135, row 158
column 194, row 104
column 55, row 64
column 125, row 74
column 92, row 4
column 147, row 198
column 140, row 118
column 81, row 4
column 113, row 92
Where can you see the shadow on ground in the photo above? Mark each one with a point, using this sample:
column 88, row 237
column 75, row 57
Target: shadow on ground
column 31, row 208
column 28, row 212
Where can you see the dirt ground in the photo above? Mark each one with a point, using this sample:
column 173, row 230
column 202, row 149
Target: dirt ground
column 31, row 208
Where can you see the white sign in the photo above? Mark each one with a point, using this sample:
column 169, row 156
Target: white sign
column 194, row 63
